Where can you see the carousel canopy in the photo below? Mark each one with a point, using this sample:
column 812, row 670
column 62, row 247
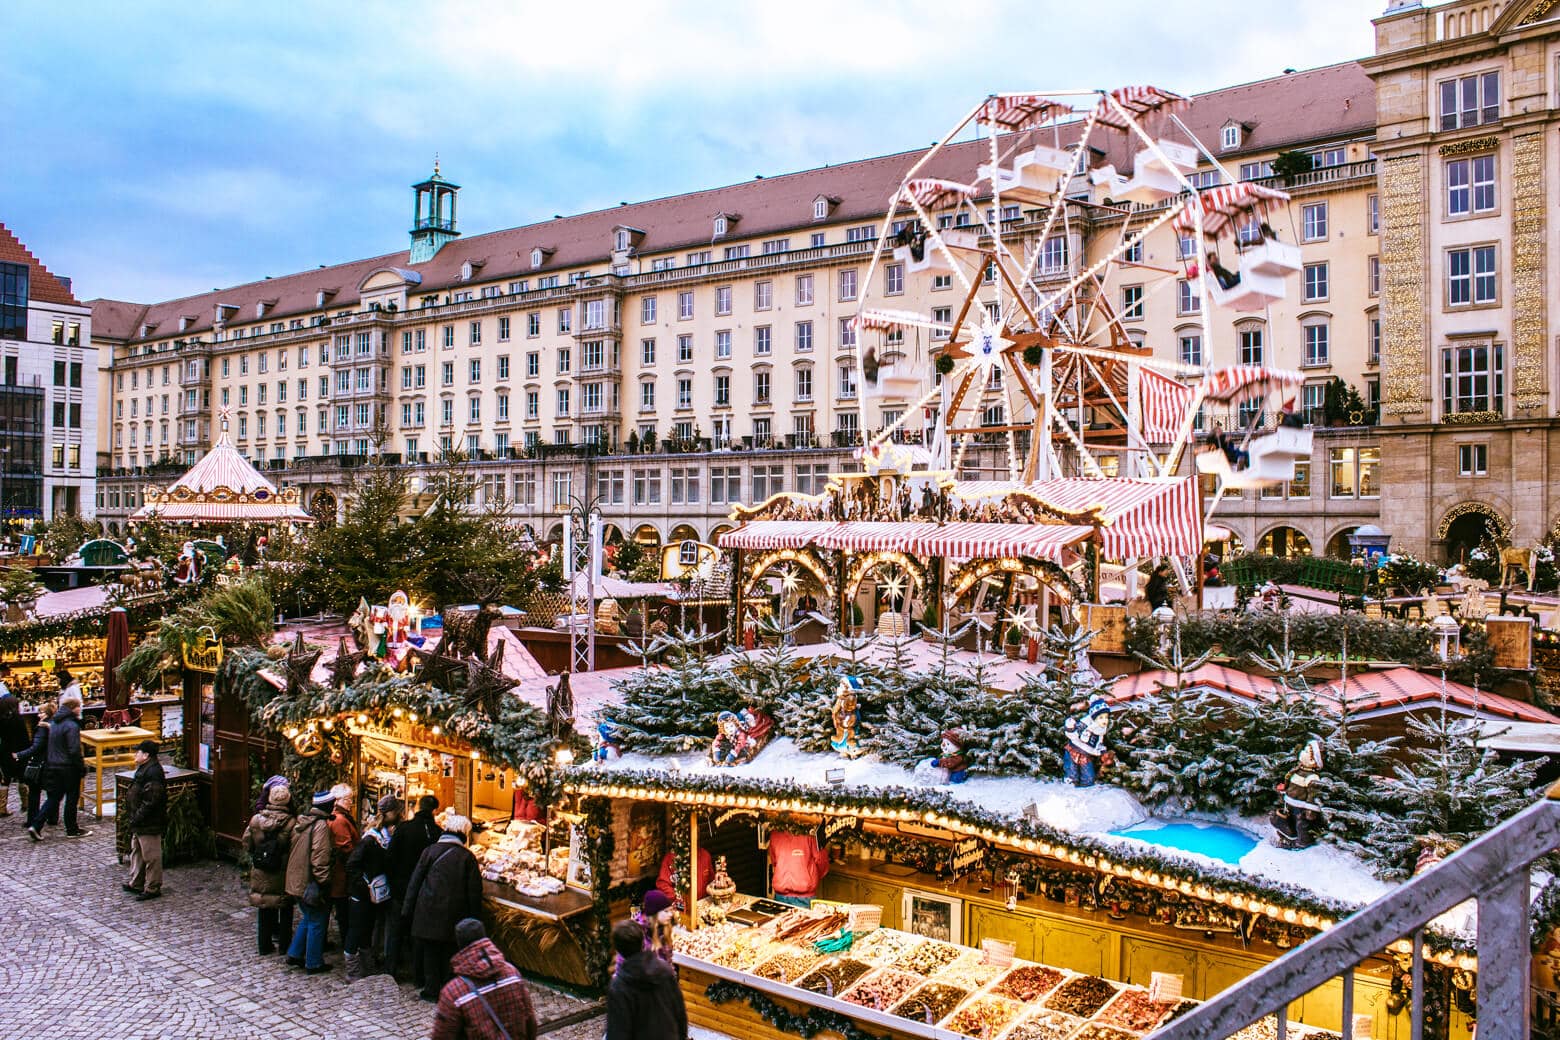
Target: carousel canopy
column 223, row 488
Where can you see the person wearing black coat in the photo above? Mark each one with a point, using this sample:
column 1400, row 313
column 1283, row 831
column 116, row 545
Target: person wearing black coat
column 37, row 751
column 644, row 1001
column 146, row 817
column 407, row 843
column 445, row 888
column 1158, row 590
column 63, row 770
column 369, row 860
column 13, row 738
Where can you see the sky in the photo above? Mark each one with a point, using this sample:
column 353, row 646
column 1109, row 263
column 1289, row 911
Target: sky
column 154, row 150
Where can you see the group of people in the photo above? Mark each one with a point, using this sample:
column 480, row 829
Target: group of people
column 48, row 765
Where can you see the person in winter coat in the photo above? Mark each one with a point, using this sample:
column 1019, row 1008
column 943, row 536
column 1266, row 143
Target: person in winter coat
column 309, row 860
column 1160, row 586
column 268, row 838
column 369, row 861
column 487, row 999
column 644, row 1001
column 344, row 836
column 146, row 817
column 411, row 837
column 445, row 888
column 656, row 915
column 13, row 738
column 63, row 772
column 39, row 747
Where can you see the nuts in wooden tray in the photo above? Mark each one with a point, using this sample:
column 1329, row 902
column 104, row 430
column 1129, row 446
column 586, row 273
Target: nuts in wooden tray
column 932, row 1003
column 747, row 948
column 984, row 1016
column 883, row 989
column 1028, row 983
column 1182, row 1007
column 1045, row 1025
column 788, row 965
column 882, row 946
column 1081, row 996
column 928, row 957
column 1094, row 1031
column 1262, row 1029
column 833, row 977
column 968, row 971
column 1134, row 1012
column 706, row 942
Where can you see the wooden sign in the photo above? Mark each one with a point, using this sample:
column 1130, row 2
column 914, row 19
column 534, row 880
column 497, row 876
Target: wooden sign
column 833, row 826
column 1109, row 620
column 1511, row 641
column 967, row 853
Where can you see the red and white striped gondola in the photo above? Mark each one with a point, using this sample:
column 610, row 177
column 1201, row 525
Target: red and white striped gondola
column 1242, row 213
column 1161, row 167
column 1037, row 168
column 1255, row 457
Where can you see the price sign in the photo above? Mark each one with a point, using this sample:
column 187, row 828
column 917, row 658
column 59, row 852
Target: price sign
column 997, row 952
column 1165, row 985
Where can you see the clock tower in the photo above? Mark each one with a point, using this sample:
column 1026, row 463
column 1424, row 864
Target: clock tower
column 433, row 215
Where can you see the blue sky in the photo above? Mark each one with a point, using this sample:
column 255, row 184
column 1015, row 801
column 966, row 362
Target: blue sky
column 155, row 150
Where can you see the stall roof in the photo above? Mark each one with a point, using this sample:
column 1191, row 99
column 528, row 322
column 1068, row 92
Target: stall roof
column 517, row 662
column 958, row 540
column 1136, row 517
column 88, row 597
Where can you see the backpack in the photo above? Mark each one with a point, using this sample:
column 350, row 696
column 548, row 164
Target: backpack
column 269, row 855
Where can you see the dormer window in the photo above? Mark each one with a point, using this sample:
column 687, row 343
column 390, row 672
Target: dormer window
column 323, row 296
column 185, row 321
column 622, row 240
column 539, row 255
column 465, row 271
column 823, row 205
column 724, row 223
column 263, row 306
column 1229, row 137
column 146, row 330
column 720, row 225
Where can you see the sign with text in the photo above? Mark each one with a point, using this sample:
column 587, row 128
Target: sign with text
column 997, row 952
column 967, row 853
column 833, row 826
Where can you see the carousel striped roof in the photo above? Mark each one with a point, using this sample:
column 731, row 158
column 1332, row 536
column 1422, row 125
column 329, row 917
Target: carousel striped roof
column 223, row 488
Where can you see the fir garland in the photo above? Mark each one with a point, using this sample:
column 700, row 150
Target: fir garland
column 594, row 935
column 813, row 1022
column 89, row 623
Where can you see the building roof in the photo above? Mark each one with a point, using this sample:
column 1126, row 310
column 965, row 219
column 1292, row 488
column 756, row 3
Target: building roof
column 43, row 286
column 116, row 319
column 1329, row 103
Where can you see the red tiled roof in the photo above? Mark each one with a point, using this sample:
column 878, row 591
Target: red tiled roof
column 1213, row 676
column 43, row 286
column 116, row 319
column 1321, row 104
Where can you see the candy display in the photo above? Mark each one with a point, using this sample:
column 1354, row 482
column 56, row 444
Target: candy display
column 834, row 977
column 1134, row 1012
column 787, row 965
column 1180, row 1009
column 883, row 946
column 882, row 989
column 706, row 942
column 933, row 1002
column 1045, row 1025
column 805, row 926
column 747, row 948
column 969, row 971
column 984, row 1016
column 928, row 957
column 1028, row 983
column 1082, row 995
column 1262, row 1029
column 512, row 854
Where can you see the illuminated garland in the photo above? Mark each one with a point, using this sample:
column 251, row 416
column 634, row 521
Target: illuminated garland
column 815, row 1021
column 89, row 623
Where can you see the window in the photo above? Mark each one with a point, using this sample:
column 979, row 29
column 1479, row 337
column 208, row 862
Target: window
column 14, row 291
column 761, row 387
column 593, row 355
column 894, row 279
column 1314, row 221
column 1187, row 300
column 475, row 373
column 447, row 374
column 737, row 252
column 723, row 344
column 1470, row 100
column 804, row 384
column 609, row 486
column 533, row 324
column 446, row 412
column 1132, row 303
column 1316, row 282
column 684, row 393
column 647, row 310
column 1316, row 336
column 647, row 396
column 1473, row 378
column 1053, row 256
column 847, row 332
column 725, row 484
column 533, row 365
column 1329, row 157
column 1133, row 254
column 864, row 233
column 474, row 409
column 590, row 398
column 1470, row 277
column 776, row 245
column 503, row 366
column 767, row 481
column 449, row 337
column 1472, row 460
column 847, row 382
column 1191, row 349
column 564, row 360
column 1205, row 179
column 818, row 239
column 1229, row 138
column 1374, row 332
column 1373, row 275
column 474, row 335
column 1355, row 472
column 847, row 282
column 1256, row 170
column 701, row 257
column 533, row 404
column 1251, row 346
column 1470, row 186
column 763, row 340
column 722, row 390
column 723, row 299
column 565, row 319
column 763, row 295
column 1373, row 214
column 685, row 305
column 684, row 349
column 563, row 402
column 804, row 336
column 942, row 316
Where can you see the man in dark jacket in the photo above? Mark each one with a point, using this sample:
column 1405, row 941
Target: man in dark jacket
column 487, row 999
column 644, row 1001
column 63, row 770
column 146, row 817
column 411, row 837
column 13, row 738
column 445, row 888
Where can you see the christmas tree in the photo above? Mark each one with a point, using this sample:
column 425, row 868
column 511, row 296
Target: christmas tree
column 670, row 709
column 1264, row 737
column 803, row 711
column 921, row 706
column 1175, row 755
column 1025, row 726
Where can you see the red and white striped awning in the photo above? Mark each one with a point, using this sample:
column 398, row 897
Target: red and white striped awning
column 932, row 193
column 983, row 490
column 1136, row 517
column 879, row 319
column 960, row 541
column 1165, row 404
column 1227, row 204
column 1225, row 384
column 1022, row 111
column 873, row 536
column 1138, row 101
column 776, row 534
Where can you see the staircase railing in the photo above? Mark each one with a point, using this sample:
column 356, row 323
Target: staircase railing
column 1493, row 870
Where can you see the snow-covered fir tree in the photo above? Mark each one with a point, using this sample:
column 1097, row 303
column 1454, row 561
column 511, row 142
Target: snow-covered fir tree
column 804, row 711
column 1025, row 726
column 670, row 708
column 1170, row 754
column 921, row 705
column 1264, row 737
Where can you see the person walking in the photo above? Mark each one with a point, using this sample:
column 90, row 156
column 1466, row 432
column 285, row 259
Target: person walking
column 487, row 999
column 644, row 1001
column 308, row 881
column 268, row 840
column 445, row 888
column 368, row 888
column 13, row 738
column 146, row 818
column 63, row 770
column 33, row 760
column 407, row 843
column 344, row 835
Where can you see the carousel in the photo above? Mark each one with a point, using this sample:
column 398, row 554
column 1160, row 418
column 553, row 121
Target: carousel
column 222, row 488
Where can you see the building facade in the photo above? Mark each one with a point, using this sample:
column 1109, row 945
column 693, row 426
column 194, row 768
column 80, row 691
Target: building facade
column 48, row 392
column 673, row 358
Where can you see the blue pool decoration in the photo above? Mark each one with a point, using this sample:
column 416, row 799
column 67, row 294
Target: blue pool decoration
column 1216, row 841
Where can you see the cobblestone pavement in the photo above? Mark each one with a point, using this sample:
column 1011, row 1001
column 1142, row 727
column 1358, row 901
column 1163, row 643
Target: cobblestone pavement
column 82, row 960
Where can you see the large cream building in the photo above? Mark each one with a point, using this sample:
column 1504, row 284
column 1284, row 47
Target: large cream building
column 674, row 357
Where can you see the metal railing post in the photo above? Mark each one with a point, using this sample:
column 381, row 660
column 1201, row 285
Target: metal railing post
column 1503, row 959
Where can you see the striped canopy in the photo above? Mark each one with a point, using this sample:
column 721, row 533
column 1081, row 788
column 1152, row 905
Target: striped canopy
column 222, row 488
column 931, row 193
column 776, row 534
column 878, row 319
column 960, row 541
column 1138, row 101
column 1137, row 517
column 1227, row 204
column 1225, row 384
column 1021, row 111
column 1165, row 404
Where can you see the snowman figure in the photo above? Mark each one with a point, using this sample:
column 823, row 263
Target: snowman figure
column 951, row 767
column 1086, row 754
